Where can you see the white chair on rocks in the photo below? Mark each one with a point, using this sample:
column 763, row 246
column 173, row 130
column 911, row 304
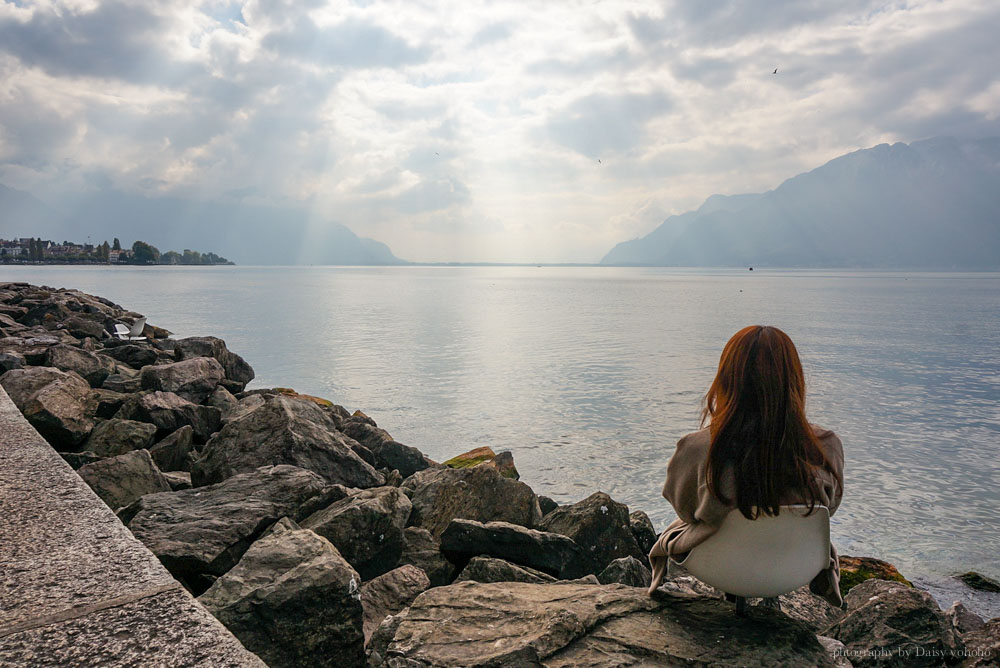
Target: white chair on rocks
column 134, row 334
column 765, row 557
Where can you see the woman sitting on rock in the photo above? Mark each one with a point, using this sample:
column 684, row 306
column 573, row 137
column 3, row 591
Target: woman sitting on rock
column 757, row 453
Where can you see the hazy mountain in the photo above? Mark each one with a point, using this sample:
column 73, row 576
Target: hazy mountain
column 929, row 204
column 245, row 233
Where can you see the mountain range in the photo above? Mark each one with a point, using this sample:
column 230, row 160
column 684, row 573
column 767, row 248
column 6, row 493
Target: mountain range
column 932, row 204
column 246, row 233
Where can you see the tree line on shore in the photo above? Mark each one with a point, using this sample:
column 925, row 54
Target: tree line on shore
column 140, row 253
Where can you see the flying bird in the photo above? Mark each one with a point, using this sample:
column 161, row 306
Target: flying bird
column 775, row 71
column 598, row 161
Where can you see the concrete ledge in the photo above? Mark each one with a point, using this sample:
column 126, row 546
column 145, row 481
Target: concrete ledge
column 76, row 588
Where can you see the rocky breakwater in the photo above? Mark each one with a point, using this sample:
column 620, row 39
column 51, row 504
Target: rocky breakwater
column 319, row 540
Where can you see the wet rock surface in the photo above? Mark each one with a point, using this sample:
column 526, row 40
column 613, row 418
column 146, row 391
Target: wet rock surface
column 389, row 593
column 124, row 479
column 552, row 553
column 599, row 523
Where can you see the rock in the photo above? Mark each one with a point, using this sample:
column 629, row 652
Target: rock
column 78, row 459
column 367, row 528
column 440, row 495
column 836, row 650
column 963, row 619
column 80, row 327
column 810, row 609
column 598, row 524
column 223, row 399
column 152, row 332
column 389, row 593
column 980, row 582
column 293, row 601
column 170, row 412
column 628, row 571
column 119, row 382
column 891, row 616
column 235, row 367
column 193, row 379
column 116, row 437
column 122, row 480
column 855, row 570
column 982, row 647
column 365, row 432
column 642, row 530
column 175, row 451
column 244, row 406
column 108, row 402
column 178, row 480
column 560, row 625
column 92, row 368
column 60, row 411
column 421, row 550
column 549, row 552
column 47, row 311
column 134, row 355
column 21, row 384
column 204, row 531
column 378, row 644
column 403, row 458
column 489, row 569
column 284, row 430
column 11, row 360
column 484, row 456
column 546, row 505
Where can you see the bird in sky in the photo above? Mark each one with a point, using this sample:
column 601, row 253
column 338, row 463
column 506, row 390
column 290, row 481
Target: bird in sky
column 775, row 71
column 598, row 161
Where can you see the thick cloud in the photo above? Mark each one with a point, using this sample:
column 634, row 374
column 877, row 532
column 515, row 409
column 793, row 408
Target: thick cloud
column 472, row 131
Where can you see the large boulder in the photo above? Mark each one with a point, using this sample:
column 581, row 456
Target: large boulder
column 561, row 625
column 489, row 569
column 82, row 326
column 170, row 412
column 855, row 570
column 124, row 479
column 884, row 616
column 11, row 360
column 367, row 528
column 982, row 646
column 193, row 379
column 388, row 453
column 22, row 383
column 205, row 530
column 123, row 382
column 116, row 437
column 627, row 571
column 549, row 552
column 175, row 451
column 91, row 367
column 285, row 430
column 132, row 354
column 600, row 525
column 293, row 601
column 61, row 410
column 389, row 593
column 642, row 530
column 422, row 550
column 235, row 367
column 440, row 495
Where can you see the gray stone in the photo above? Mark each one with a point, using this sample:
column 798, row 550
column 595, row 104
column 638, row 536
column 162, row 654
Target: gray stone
column 810, row 609
column 366, row 527
column 546, row 505
column 22, row 384
column 489, row 569
column 243, row 406
column 642, row 530
column 422, row 550
column 521, row 624
column 108, row 402
column 836, row 650
column 983, row 645
column 122, row 480
column 404, row 458
column 116, row 437
column 598, row 523
column 78, row 459
column 81, row 326
column 11, row 360
column 132, row 354
column 178, row 480
column 389, row 593
column 194, row 379
column 628, row 571
column 175, row 451
column 170, row 412
column 440, row 495
column 91, row 367
column 963, row 619
column 549, row 552
column 284, row 430
column 883, row 614
column 61, row 411
column 224, row 400
column 205, row 530
column 293, row 600
column 235, row 367
column 120, row 382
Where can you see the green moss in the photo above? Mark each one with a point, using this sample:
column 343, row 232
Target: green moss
column 461, row 462
column 980, row 582
column 852, row 578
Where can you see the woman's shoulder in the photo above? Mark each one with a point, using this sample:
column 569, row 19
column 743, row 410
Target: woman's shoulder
column 826, row 436
column 695, row 444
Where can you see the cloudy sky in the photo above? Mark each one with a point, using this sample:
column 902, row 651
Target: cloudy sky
column 478, row 131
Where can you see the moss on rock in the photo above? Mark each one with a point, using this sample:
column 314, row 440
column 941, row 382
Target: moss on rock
column 855, row 570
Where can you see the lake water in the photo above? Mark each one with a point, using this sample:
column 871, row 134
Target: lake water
column 590, row 375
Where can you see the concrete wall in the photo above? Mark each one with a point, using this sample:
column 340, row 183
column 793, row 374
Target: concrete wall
column 76, row 588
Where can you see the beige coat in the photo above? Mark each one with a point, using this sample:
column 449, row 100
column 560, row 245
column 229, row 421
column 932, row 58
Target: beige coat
column 700, row 513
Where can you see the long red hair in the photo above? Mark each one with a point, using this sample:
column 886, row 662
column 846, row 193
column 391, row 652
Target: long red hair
column 755, row 410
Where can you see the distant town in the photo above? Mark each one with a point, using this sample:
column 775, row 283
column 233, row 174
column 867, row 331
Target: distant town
column 29, row 250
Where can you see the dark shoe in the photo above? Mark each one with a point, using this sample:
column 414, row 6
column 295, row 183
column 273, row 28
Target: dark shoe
column 772, row 603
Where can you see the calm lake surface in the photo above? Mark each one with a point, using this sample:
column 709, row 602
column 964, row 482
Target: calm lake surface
column 590, row 375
